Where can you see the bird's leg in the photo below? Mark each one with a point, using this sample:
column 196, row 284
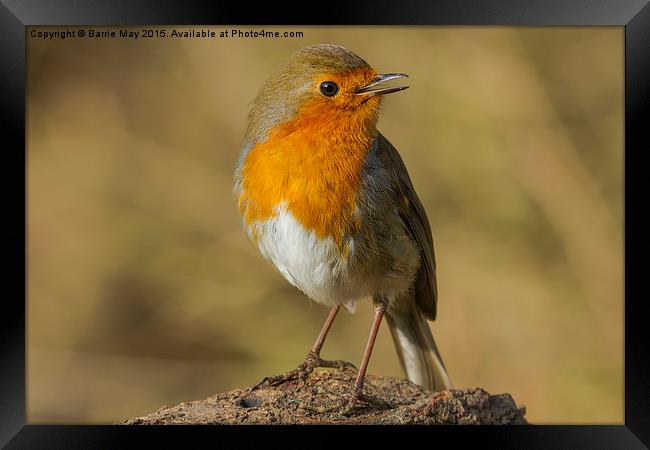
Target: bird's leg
column 312, row 360
column 357, row 392
column 349, row 402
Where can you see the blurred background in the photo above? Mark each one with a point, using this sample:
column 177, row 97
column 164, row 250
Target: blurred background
column 143, row 290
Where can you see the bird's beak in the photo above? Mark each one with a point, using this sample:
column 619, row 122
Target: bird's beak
column 373, row 89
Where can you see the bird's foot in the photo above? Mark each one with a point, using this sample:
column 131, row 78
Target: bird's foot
column 350, row 402
column 358, row 400
column 303, row 371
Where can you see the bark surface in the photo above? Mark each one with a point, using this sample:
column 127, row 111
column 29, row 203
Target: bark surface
column 319, row 401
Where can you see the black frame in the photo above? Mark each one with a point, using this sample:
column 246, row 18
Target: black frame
column 16, row 15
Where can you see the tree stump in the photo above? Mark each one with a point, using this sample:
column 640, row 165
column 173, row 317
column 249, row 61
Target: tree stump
column 315, row 401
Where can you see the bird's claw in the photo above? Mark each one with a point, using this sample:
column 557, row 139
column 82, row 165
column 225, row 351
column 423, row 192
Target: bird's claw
column 358, row 399
column 348, row 403
column 303, row 371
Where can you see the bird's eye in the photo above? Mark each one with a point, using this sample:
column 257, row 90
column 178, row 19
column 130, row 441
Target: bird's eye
column 329, row 88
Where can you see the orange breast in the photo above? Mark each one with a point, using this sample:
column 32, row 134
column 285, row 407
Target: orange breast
column 314, row 167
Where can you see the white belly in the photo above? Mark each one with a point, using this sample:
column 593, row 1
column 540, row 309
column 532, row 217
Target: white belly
column 314, row 265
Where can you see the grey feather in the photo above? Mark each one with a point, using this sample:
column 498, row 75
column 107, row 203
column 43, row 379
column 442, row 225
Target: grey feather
column 417, row 224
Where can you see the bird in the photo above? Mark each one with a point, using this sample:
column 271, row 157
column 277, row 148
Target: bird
column 328, row 201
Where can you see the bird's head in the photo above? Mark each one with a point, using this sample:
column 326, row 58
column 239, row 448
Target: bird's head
column 319, row 85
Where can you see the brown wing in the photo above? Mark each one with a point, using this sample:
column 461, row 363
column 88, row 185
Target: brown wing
column 417, row 224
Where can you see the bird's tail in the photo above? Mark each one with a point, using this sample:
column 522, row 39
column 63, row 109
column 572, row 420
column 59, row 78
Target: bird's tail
column 416, row 347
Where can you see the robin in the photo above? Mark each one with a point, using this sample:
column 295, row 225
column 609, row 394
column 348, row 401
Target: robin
column 327, row 200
